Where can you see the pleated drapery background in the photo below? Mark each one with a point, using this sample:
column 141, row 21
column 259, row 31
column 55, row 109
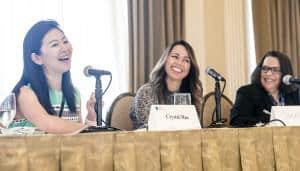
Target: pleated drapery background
column 277, row 27
column 152, row 26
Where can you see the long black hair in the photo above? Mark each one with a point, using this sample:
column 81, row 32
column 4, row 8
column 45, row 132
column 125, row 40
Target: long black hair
column 190, row 83
column 33, row 74
column 285, row 69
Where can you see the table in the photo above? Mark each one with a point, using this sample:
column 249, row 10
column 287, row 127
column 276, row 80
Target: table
column 270, row 148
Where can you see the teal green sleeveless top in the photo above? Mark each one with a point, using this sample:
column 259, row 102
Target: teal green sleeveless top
column 56, row 98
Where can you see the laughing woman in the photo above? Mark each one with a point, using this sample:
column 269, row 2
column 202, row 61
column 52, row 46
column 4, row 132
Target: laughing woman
column 46, row 97
column 254, row 101
column 176, row 71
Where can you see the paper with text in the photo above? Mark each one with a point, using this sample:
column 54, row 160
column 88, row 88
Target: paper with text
column 290, row 115
column 173, row 117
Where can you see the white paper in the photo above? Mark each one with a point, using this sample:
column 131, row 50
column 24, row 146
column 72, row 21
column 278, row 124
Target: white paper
column 173, row 117
column 290, row 115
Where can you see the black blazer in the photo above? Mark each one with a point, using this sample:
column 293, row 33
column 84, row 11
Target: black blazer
column 250, row 102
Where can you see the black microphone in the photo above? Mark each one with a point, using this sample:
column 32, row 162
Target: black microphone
column 211, row 72
column 288, row 80
column 90, row 71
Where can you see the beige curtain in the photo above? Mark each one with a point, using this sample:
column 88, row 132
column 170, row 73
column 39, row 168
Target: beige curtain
column 153, row 24
column 277, row 27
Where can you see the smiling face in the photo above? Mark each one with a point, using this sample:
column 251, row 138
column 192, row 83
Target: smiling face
column 270, row 75
column 178, row 63
column 55, row 53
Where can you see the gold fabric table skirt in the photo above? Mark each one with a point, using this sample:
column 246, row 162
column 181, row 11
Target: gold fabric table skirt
column 228, row 149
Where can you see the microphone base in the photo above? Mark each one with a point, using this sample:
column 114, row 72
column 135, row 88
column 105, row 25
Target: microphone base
column 217, row 125
column 99, row 129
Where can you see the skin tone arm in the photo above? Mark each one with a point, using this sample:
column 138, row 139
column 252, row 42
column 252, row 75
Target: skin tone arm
column 91, row 116
column 29, row 105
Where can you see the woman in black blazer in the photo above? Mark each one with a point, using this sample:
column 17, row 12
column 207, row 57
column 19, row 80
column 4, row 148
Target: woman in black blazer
column 254, row 101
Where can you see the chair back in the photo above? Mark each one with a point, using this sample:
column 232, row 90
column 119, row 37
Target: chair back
column 208, row 110
column 118, row 114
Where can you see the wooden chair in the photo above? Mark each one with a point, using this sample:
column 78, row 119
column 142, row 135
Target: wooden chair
column 118, row 114
column 208, row 110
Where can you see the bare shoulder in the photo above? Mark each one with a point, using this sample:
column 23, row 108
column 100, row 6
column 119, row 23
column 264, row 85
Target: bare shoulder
column 26, row 89
column 29, row 105
column 26, row 94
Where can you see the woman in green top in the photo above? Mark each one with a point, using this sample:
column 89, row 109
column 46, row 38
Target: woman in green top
column 46, row 85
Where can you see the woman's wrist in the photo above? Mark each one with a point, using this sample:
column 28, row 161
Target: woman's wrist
column 91, row 116
column 90, row 123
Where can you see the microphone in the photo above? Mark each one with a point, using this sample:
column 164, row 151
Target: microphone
column 267, row 112
column 272, row 120
column 90, row 71
column 211, row 72
column 288, row 80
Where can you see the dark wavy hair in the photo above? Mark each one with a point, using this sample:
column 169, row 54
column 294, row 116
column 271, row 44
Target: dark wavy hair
column 285, row 68
column 33, row 74
column 190, row 84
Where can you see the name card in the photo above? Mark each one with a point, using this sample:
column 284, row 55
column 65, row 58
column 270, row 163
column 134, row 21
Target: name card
column 173, row 117
column 290, row 115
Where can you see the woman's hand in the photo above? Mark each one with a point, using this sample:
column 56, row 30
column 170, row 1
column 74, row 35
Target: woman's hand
column 90, row 106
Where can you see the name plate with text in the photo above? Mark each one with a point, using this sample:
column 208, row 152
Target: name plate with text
column 290, row 115
column 173, row 117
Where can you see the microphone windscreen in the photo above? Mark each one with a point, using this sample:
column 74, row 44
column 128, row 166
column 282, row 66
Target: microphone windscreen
column 86, row 70
column 286, row 79
column 208, row 69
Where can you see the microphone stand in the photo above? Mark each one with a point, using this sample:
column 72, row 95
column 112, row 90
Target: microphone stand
column 98, row 105
column 218, row 122
column 98, row 110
